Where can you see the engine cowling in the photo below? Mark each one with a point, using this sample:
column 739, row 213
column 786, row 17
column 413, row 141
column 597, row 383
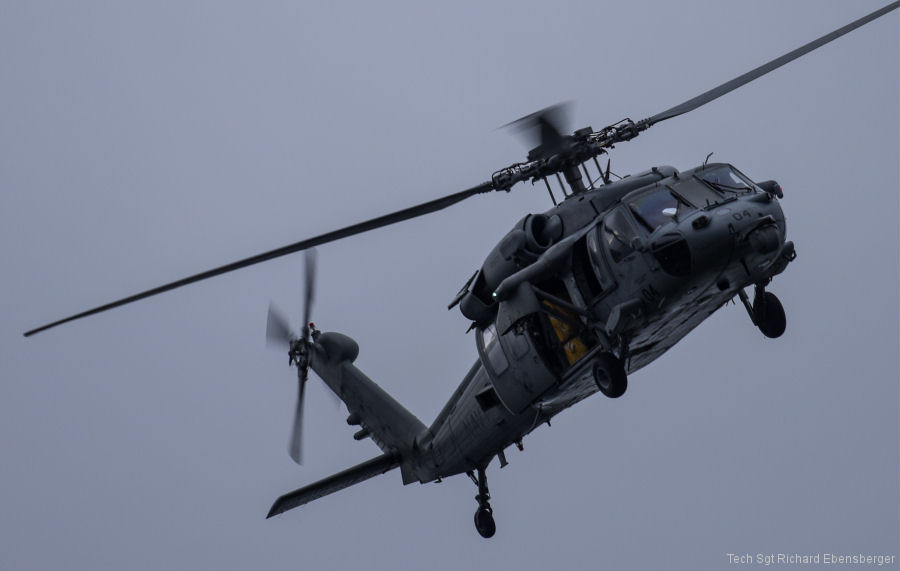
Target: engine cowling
column 521, row 246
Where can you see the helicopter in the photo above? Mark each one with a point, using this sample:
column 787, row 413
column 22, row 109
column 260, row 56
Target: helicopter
column 571, row 300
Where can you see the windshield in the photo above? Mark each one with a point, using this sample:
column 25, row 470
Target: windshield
column 726, row 179
column 618, row 235
column 655, row 208
column 696, row 193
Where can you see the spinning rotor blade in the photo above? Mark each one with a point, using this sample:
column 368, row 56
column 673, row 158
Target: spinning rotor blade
column 277, row 330
column 309, row 291
column 295, row 447
column 296, row 444
column 546, row 129
column 733, row 84
column 387, row 219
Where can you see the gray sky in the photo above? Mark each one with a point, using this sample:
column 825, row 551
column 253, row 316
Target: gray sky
column 144, row 142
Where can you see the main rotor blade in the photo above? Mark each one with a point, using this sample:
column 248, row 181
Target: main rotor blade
column 277, row 330
column 295, row 447
column 387, row 219
column 729, row 86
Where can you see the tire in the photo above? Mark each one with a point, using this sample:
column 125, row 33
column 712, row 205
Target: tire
column 769, row 314
column 610, row 376
column 484, row 523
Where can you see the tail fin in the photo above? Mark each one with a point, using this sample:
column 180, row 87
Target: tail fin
column 393, row 428
column 390, row 425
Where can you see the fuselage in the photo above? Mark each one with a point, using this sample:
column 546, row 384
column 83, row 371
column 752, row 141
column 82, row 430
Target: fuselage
column 637, row 265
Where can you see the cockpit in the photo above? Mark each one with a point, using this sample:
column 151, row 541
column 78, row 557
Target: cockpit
column 654, row 208
column 618, row 235
column 651, row 213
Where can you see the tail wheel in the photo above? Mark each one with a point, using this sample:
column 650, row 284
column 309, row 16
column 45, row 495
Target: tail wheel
column 769, row 314
column 610, row 376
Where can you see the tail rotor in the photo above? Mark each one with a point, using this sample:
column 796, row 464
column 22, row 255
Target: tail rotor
column 279, row 335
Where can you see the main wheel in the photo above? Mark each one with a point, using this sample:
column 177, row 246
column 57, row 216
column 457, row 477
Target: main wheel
column 484, row 522
column 769, row 314
column 610, row 376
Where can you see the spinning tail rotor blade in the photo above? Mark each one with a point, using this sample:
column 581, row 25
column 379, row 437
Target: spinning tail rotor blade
column 352, row 230
column 295, row 446
column 277, row 330
column 746, row 78
column 309, row 292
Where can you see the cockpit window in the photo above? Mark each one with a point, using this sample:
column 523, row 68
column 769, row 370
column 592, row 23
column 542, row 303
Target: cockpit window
column 727, row 180
column 655, row 208
column 493, row 350
column 697, row 193
column 618, row 235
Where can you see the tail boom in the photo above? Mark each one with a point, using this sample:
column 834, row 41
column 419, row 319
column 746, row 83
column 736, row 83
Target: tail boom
column 392, row 427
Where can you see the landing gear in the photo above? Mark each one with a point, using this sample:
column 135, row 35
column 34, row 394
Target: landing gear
column 484, row 515
column 610, row 376
column 484, row 522
column 767, row 313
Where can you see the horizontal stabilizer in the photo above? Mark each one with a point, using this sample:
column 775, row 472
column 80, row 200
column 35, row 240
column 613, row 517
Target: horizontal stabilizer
column 335, row 483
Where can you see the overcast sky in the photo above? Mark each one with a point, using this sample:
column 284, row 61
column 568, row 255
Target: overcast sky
column 141, row 142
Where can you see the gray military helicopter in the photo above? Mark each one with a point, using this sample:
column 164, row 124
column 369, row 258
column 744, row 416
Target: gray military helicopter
column 568, row 303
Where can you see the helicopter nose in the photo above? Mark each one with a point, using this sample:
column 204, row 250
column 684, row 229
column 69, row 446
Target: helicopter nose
column 765, row 239
column 710, row 239
column 747, row 234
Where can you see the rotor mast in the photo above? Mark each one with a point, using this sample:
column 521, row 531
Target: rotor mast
column 565, row 153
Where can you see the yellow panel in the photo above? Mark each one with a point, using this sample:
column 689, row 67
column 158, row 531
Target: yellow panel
column 575, row 348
